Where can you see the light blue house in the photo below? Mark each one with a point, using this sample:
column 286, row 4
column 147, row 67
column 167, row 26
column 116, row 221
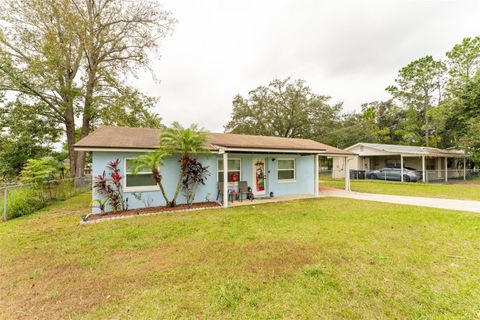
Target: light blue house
column 270, row 165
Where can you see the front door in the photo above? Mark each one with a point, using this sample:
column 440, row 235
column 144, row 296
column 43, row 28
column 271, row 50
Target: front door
column 259, row 176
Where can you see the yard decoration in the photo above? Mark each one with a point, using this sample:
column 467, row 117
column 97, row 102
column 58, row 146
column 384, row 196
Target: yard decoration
column 195, row 174
column 185, row 142
column 112, row 189
column 260, row 176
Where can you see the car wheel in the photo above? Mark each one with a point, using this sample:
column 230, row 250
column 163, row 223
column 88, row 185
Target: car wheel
column 373, row 176
column 406, row 178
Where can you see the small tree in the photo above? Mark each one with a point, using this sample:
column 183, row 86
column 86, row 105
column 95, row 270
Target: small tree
column 419, row 87
column 40, row 171
column 185, row 142
column 195, row 174
column 153, row 161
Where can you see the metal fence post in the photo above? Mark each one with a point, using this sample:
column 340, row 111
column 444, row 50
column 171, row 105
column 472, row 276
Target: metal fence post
column 5, row 204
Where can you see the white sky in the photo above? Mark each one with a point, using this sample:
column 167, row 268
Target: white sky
column 350, row 50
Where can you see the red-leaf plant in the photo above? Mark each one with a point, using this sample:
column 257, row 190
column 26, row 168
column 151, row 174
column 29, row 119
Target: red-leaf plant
column 194, row 174
column 112, row 188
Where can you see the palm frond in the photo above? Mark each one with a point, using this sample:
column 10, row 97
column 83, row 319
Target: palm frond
column 152, row 161
column 184, row 141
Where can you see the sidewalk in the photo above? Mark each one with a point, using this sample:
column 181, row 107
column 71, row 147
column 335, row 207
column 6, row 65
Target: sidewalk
column 450, row 204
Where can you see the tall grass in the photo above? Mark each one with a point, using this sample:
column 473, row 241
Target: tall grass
column 26, row 199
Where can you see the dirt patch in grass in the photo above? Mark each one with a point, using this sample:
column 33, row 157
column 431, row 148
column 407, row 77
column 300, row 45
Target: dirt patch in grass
column 151, row 259
column 70, row 290
column 276, row 258
column 61, row 291
column 152, row 210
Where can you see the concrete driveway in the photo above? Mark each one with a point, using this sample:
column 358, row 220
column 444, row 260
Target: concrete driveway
column 450, row 204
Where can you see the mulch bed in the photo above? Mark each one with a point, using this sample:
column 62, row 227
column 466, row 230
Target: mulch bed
column 150, row 211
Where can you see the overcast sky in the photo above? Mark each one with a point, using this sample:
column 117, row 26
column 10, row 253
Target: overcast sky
column 349, row 50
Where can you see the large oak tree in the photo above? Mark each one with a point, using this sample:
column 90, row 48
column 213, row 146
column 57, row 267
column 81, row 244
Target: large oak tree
column 74, row 56
column 286, row 108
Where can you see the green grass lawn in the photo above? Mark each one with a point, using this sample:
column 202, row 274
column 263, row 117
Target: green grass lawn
column 318, row 258
column 462, row 190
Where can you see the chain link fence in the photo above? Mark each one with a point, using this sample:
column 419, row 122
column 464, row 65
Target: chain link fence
column 337, row 177
column 22, row 199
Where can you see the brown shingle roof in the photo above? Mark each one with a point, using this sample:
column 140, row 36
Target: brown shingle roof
column 145, row 138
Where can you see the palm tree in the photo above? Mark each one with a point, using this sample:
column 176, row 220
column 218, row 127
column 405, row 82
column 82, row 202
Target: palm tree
column 153, row 161
column 185, row 142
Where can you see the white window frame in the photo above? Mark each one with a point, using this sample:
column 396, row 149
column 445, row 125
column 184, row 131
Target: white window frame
column 294, row 171
column 138, row 188
column 218, row 169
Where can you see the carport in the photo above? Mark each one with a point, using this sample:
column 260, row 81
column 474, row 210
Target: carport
column 344, row 157
column 434, row 163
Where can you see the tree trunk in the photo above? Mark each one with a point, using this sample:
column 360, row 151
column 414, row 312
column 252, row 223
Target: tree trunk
column 427, row 129
column 162, row 190
column 86, row 120
column 427, row 140
column 80, row 172
column 70, row 133
column 158, row 179
column 179, row 185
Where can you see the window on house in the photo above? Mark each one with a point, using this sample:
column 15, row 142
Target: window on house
column 286, row 170
column 143, row 178
column 234, row 167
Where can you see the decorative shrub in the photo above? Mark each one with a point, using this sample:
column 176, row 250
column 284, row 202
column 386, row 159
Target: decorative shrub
column 101, row 203
column 194, row 174
column 112, row 188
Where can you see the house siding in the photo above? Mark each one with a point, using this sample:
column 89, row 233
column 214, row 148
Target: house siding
column 303, row 184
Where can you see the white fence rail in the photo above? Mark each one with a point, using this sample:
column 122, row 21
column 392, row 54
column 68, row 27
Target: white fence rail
column 22, row 199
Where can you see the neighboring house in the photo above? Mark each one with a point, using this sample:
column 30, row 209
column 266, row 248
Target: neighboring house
column 283, row 166
column 433, row 163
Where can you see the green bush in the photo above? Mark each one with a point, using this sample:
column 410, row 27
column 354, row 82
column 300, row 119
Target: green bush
column 22, row 201
column 28, row 199
column 40, row 171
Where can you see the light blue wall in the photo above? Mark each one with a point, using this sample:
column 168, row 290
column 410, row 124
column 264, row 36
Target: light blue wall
column 304, row 173
column 304, row 183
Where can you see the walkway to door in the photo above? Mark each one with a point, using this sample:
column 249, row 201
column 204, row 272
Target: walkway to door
column 450, row 204
column 290, row 197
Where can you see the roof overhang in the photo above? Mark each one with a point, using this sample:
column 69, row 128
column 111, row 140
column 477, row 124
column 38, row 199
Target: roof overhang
column 433, row 155
column 89, row 149
column 266, row 150
column 414, row 155
column 339, row 155
column 382, row 152
column 218, row 149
